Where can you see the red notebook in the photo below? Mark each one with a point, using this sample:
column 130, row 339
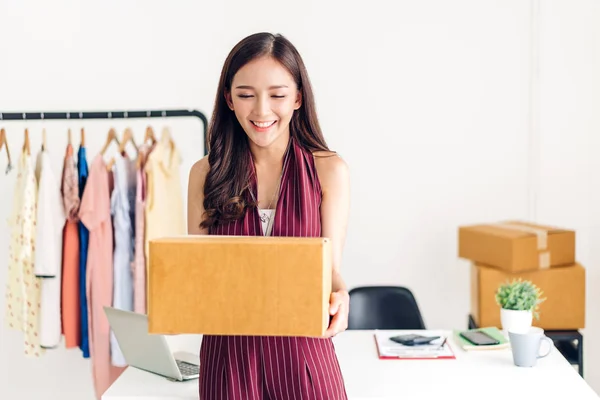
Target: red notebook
column 389, row 350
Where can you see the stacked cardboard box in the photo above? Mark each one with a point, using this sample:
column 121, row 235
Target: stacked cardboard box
column 503, row 251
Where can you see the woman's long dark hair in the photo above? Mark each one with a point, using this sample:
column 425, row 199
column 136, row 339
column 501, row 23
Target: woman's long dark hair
column 228, row 149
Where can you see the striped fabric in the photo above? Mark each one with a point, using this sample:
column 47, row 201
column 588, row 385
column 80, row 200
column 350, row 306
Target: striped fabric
column 267, row 367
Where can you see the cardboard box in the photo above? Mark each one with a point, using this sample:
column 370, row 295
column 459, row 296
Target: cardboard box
column 563, row 288
column 239, row 285
column 517, row 246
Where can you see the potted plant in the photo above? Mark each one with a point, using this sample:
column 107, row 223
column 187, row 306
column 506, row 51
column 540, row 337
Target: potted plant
column 519, row 302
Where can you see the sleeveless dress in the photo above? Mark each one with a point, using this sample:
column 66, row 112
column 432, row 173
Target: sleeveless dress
column 268, row 367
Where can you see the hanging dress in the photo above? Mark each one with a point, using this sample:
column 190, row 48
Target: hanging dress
column 122, row 207
column 23, row 287
column 94, row 213
column 84, row 238
column 164, row 211
column 139, row 263
column 276, row 368
column 71, row 314
column 50, row 221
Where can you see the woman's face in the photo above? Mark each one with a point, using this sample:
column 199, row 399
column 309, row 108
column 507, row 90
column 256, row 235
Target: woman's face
column 263, row 97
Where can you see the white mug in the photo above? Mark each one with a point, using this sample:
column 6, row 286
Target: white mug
column 526, row 346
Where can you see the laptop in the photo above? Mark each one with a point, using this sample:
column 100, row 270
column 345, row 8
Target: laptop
column 149, row 352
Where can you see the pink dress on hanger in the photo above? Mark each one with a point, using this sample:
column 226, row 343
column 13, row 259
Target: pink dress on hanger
column 95, row 215
column 139, row 263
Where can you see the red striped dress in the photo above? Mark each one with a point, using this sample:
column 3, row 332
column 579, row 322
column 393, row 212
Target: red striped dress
column 266, row 367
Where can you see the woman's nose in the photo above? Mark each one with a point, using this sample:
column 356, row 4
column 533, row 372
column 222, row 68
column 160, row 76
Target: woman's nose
column 262, row 106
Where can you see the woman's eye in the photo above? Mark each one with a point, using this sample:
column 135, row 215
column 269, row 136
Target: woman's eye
column 247, row 96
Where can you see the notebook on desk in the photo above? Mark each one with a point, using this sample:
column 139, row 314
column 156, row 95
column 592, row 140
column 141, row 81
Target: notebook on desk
column 388, row 349
column 491, row 331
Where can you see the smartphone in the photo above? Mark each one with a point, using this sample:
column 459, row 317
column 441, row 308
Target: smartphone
column 479, row 338
column 413, row 339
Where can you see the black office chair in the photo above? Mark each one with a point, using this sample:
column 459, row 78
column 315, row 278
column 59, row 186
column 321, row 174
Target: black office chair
column 383, row 307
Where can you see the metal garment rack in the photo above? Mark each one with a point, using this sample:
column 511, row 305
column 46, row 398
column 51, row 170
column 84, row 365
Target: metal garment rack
column 81, row 115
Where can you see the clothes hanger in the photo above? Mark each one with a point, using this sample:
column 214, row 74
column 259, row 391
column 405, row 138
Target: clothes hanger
column 127, row 137
column 4, row 143
column 69, row 137
column 150, row 135
column 112, row 136
column 26, row 142
column 166, row 137
column 82, row 138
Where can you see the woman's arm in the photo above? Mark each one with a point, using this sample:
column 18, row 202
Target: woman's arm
column 335, row 207
column 195, row 197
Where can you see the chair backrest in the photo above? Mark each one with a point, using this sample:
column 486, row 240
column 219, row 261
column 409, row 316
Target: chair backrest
column 383, row 307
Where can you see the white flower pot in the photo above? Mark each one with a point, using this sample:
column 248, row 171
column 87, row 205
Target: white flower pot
column 516, row 321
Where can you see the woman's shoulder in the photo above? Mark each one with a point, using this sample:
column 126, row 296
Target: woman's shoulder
column 331, row 168
column 199, row 171
column 330, row 161
column 201, row 166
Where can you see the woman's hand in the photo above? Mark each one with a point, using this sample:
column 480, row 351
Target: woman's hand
column 339, row 306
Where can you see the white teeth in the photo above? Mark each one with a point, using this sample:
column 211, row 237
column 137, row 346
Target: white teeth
column 263, row 124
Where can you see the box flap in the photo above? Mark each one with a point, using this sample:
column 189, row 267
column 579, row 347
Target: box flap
column 510, row 229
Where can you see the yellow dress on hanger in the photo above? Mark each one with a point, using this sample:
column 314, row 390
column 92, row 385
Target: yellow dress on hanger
column 164, row 198
column 23, row 287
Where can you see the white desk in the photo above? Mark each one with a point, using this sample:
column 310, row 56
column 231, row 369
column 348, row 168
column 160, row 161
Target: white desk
column 473, row 375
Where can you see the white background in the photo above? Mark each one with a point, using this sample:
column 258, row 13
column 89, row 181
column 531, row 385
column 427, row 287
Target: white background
column 448, row 113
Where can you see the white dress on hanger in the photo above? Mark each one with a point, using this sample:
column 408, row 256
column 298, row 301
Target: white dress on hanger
column 50, row 222
column 122, row 207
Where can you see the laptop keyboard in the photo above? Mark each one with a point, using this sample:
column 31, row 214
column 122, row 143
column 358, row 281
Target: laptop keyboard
column 187, row 369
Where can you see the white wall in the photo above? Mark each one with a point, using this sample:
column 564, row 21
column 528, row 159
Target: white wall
column 433, row 104
column 567, row 178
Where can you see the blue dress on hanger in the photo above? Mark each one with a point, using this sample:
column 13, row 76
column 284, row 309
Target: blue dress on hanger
column 82, row 173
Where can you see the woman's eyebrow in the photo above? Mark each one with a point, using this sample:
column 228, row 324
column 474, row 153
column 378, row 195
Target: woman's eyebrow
column 270, row 87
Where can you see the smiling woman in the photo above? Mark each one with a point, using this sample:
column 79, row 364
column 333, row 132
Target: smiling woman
column 269, row 172
column 264, row 109
column 265, row 96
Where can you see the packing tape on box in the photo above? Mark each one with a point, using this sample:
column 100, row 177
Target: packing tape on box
column 542, row 240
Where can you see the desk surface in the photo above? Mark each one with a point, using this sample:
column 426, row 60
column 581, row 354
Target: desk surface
column 473, row 375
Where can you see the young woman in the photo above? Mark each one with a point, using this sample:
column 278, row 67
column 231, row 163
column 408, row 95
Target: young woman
column 269, row 172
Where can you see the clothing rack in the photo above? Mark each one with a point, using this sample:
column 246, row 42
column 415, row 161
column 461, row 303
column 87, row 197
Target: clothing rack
column 75, row 115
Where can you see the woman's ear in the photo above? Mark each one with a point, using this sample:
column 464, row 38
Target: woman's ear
column 298, row 102
column 228, row 100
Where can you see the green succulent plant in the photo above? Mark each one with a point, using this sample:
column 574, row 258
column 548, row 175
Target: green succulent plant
column 520, row 294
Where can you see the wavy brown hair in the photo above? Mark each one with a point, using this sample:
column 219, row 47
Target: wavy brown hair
column 228, row 150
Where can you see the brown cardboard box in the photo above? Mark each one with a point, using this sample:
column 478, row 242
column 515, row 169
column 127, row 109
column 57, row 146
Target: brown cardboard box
column 236, row 285
column 517, row 246
column 563, row 288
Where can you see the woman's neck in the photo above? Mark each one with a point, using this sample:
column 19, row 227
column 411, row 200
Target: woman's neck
column 266, row 156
